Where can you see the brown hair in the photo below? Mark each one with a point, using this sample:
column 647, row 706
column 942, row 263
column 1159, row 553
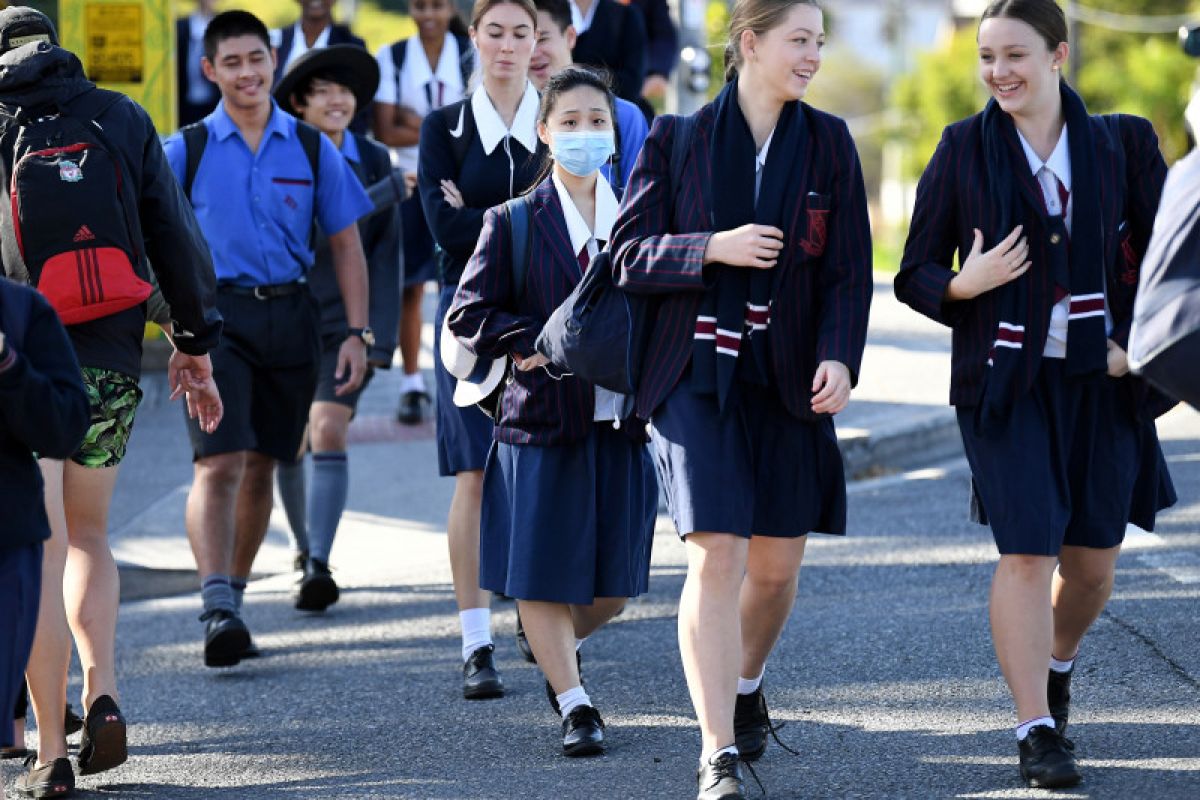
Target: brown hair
column 1044, row 16
column 758, row 16
column 484, row 6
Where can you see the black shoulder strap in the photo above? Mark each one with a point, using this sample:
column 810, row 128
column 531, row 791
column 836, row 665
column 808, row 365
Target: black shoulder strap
column 195, row 139
column 679, row 149
column 466, row 59
column 520, row 234
column 310, row 140
column 399, row 52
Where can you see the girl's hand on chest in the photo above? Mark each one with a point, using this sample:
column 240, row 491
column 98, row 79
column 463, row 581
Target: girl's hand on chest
column 983, row 271
column 751, row 246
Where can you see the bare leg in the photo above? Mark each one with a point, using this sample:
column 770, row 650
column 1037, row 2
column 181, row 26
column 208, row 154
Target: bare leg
column 552, row 637
column 254, row 502
column 710, row 631
column 211, row 507
column 1082, row 585
column 1023, row 629
column 410, row 328
column 50, row 658
column 463, row 535
column 768, row 593
column 589, row 619
column 92, row 585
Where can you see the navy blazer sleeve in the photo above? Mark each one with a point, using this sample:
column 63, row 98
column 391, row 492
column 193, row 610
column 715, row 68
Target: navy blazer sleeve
column 456, row 230
column 1145, row 175
column 43, row 404
column 925, row 268
column 481, row 316
column 663, row 38
column 647, row 257
column 845, row 280
column 630, row 74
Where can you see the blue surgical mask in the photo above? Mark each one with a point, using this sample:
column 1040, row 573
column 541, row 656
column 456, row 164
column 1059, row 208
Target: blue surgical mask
column 583, row 152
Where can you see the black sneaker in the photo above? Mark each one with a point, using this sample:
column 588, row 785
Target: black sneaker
column 102, row 744
column 55, row 779
column 226, row 638
column 523, row 641
column 552, row 697
column 1046, row 762
column 316, row 590
column 583, row 733
column 481, row 680
column 72, row 722
column 720, row 778
column 412, row 408
column 751, row 724
column 1058, row 692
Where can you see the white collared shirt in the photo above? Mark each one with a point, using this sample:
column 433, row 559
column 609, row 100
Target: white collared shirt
column 415, row 87
column 582, row 21
column 608, row 403
column 1048, row 173
column 300, row 44
column 199, row 89
column 491, row 127
column 760, row 162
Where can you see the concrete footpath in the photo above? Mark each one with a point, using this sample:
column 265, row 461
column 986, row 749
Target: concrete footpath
column 885, row 677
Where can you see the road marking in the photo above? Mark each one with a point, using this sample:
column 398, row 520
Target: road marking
column 1182, row 566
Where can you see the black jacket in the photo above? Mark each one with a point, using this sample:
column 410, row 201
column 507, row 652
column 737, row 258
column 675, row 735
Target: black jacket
column 40, row 74
column 616, row 41
column 43, row 408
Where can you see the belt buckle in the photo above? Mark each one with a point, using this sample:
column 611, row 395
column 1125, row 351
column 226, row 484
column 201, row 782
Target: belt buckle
column 259, row 294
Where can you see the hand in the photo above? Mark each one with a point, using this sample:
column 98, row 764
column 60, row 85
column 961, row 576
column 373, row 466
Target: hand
column 753, row 246
column 452, row 194
column 981, row 272
column 410, row 181
column 191, row 377
column 831, row 387
column 655, row 86
column 532, row 362
column 1118, row 360
column 351, row 366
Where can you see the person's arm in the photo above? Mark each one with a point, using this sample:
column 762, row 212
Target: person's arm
column 483, row 315
column 176, row 248
column 396, row 126
column 630, row 72
column 456, row 230
column 42, row 400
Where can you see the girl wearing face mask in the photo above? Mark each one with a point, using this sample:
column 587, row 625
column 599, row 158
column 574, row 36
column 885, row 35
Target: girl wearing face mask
column 762, row 259
column 569, row 490
column 475, row 154
column 1047, row 209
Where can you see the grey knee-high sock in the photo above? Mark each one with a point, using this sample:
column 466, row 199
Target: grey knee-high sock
column 217, row 594
column 289, row 477
column 326, row 501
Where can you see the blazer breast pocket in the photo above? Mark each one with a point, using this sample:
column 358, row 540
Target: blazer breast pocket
column 816, row 209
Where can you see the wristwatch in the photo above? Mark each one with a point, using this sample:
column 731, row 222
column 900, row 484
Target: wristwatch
column 366, row 334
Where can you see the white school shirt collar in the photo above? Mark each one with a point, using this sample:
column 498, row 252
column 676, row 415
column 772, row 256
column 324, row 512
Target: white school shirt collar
column 197, row 24
column 1059, row 161
column 300, row 45
column 447, row 70
column 491, row 127
column 606, row 215
column 580, row 20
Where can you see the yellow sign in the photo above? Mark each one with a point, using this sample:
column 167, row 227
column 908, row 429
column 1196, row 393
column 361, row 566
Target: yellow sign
column 127, row 46
column 116, row 43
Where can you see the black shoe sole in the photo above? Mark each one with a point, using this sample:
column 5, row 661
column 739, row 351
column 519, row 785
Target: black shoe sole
column 46, row 790
column 316, row 594
column 227, row 648
column 484, row 691
column 752, row 755
column 108, row 748
column 1064, row 781
column 583, row 749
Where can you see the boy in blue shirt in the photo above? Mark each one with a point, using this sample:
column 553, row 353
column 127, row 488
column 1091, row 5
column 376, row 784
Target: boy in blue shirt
column 257, row 196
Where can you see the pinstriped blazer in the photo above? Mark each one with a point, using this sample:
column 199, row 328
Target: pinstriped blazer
column 823, row 295
column 954, row 198
column 492, row 322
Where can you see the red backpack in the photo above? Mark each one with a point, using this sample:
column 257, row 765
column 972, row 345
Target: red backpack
column 75, row 228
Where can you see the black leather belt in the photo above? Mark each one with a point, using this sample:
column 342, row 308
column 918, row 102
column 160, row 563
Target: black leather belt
column 264, row 292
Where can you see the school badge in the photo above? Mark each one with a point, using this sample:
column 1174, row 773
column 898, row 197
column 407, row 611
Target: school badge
column 814, row 243
column 69, row 171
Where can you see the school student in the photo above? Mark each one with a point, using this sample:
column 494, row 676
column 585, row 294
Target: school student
column 475, row 154
column 1047, row 209
column 761, row 258
column 569, row 496
column 416, row 76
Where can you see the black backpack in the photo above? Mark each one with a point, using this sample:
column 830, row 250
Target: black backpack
column 74, row 222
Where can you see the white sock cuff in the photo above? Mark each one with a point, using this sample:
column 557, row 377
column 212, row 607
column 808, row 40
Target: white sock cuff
column 412, row 383
column 750, row 685
column 476, row 626
column 1025, row 727
column 579, row 643
column 706, row 758
column 572, row 699
column 1062, row 666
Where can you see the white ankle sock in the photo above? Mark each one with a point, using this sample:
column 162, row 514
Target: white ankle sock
column 750, row 685
column 412, row 383
column 476, row 629
column 1061, row 666
column 572, row 699
column 707, row 758
column 1024, row 728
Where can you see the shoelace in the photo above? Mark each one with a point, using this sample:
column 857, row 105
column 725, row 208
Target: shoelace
column 774, row 729
column 762, row 790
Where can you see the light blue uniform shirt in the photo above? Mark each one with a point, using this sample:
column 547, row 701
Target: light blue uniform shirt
column 631, row 122
column 256, row 209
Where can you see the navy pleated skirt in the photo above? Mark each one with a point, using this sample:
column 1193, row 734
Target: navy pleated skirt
column 463, row 434
column 568, row 523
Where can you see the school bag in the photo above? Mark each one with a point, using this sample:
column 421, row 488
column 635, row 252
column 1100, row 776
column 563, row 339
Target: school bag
column 600, row 333
column 74, row 222
column 1164, row 346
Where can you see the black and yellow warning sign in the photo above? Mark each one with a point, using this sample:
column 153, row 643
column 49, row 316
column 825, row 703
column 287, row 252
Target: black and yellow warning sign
column 116, row 43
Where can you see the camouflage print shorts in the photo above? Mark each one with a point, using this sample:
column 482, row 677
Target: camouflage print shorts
column 113, row 398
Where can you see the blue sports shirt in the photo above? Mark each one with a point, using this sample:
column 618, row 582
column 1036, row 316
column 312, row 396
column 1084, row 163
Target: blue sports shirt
column 256, row 209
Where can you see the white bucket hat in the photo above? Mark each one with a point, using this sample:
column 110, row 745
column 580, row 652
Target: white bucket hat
column 476, row 378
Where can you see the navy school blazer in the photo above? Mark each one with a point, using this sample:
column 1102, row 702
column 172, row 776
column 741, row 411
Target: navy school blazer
column 954, row 198
column 823, row 297
column 492, row 322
